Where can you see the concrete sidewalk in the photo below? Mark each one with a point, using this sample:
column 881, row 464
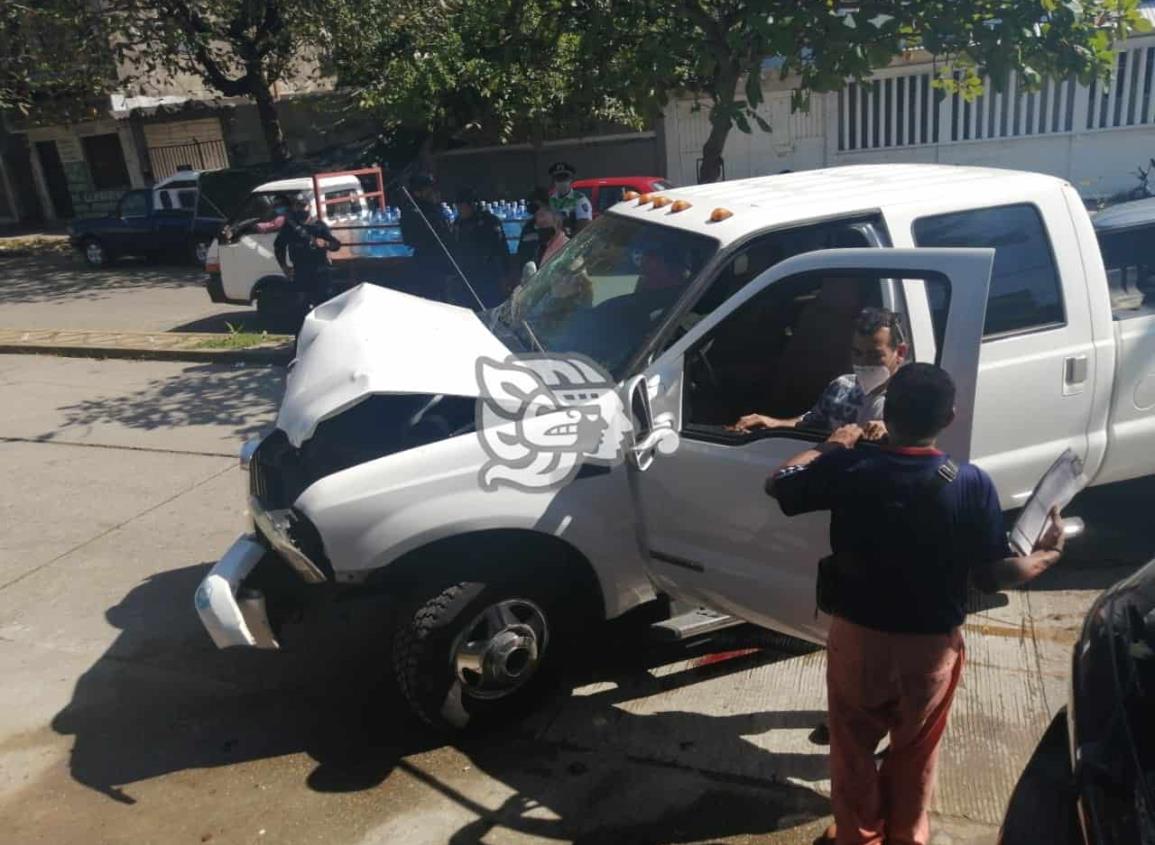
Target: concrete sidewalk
column 197, row 347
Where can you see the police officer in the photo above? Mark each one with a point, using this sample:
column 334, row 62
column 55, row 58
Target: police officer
column 908, row 530
column 306, row 244
column 573, row 205
column 479, row 248
column 425, row 231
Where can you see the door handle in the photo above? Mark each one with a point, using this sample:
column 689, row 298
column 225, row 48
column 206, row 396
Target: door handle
column 1075, row 370
column 1074, row 374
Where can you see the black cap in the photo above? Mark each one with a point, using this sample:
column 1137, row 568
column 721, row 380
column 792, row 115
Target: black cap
column 562, row 169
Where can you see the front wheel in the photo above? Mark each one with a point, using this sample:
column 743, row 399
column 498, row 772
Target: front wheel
column 476, row 653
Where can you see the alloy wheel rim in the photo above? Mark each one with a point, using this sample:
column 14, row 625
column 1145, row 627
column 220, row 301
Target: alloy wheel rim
column 498, row 652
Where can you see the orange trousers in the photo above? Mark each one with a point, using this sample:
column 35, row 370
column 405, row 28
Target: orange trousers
column 879, row 684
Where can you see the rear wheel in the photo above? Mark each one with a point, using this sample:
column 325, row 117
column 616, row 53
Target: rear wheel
column 199, row 252
column 95, row 254
column 279, row 309
column 476, row 653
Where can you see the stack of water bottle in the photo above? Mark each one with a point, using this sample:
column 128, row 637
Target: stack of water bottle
column 380, row 229
column 504, row 210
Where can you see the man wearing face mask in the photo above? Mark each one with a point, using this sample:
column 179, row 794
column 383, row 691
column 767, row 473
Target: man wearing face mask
column 551, row 236
column 574, row 206
column 877, row 351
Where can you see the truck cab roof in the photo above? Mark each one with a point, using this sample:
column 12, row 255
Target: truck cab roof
column 305, row 183
column 768, row 201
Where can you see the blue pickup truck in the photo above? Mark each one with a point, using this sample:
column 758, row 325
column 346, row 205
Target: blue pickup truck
column 146, row 223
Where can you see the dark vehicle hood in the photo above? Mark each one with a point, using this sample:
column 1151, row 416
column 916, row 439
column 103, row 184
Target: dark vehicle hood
column 1113, row 712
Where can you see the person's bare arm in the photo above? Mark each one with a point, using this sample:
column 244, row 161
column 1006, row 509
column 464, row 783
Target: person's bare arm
column 750, row 422
column 1013, row 571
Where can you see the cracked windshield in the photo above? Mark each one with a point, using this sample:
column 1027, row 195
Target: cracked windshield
column 605, row 292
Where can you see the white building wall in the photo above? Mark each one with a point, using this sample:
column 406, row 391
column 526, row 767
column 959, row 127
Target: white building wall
column 1047, row 131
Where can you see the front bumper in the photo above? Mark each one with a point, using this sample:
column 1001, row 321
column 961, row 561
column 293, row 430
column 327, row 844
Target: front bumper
column 232, row 615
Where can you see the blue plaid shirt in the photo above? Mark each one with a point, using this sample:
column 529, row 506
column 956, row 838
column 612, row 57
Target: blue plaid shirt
column 843, row 402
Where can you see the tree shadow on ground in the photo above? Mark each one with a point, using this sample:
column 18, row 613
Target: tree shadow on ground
column 204, row 394
column 226, row 321
column 162, row 700
column 55, row 278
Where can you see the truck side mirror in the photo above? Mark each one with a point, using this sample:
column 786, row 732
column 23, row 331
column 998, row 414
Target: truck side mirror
column 528, row 270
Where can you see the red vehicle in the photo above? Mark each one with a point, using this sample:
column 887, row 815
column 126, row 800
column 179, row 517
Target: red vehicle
column 606, row 192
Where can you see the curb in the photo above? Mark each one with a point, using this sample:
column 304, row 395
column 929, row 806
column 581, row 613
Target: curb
column 278, row 357
column 139, row 346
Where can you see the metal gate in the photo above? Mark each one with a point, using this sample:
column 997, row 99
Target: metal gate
column 197, row 155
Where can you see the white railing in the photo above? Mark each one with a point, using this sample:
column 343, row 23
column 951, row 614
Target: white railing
column 902, row 108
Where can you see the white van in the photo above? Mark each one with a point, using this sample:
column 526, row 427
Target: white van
column 244, row 270
column 402, row 417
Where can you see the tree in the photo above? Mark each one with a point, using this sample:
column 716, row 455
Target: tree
column 495, row 68
column 52, row 53
column 239, row 48
column 717, row 45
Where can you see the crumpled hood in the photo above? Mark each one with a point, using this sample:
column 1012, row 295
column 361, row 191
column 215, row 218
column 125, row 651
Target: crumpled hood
column 374, row 340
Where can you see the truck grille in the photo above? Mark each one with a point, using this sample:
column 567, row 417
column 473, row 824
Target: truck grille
column 276, row 475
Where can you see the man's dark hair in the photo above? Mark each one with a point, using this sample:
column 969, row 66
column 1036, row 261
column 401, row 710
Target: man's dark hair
column 538, row 197
column 870, row 320
column 919, row 401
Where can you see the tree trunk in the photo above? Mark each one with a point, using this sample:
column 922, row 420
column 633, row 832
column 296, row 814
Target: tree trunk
column 724, row 85
column 711, row 170
column 270, row 120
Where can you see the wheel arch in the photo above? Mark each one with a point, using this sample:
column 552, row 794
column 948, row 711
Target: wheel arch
column 469, row 556
column 265, row 281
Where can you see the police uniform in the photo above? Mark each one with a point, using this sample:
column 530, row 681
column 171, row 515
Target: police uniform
column 574, row 206
column 481, row 251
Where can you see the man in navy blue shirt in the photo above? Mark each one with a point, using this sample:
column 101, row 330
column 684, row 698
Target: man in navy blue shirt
column 908, row 531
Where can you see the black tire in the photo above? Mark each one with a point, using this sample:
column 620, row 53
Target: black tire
column 199, row 251
column 279, row 309
column 424, row 652
column 95, row 253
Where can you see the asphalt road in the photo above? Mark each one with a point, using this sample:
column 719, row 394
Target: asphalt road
column 60, row 292
column 119, row 722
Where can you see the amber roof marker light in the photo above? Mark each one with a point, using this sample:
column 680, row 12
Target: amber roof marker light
column 645, row 199
column 630, row 195
column 680, row 205
column 662, row 202
column 720, row 214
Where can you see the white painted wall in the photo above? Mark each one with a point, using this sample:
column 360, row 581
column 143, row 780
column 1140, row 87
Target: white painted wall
column 1099, row 162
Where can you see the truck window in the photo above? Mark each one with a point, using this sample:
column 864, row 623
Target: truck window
column 1130, row 265
column 763, row 252
column 605, row 292
column 777, row 353
column 1025, row 291
column 334, row 210
column 134, row 204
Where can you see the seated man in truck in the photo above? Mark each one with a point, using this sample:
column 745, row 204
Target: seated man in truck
column 877, row 351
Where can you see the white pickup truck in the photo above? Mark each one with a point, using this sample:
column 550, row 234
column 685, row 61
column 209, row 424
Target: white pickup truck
column 408, row 458
column 243, row 270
